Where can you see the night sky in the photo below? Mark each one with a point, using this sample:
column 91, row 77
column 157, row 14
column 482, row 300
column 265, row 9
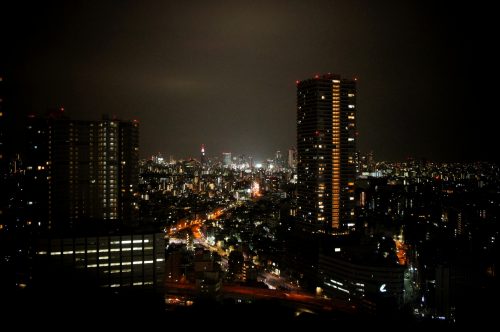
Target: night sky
column 223, row 73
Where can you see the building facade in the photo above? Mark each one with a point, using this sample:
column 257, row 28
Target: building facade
column 292, row 158
column 227, row 159
column 128, row 260
column 81, row 170
column 326, row 147
column 340, row 276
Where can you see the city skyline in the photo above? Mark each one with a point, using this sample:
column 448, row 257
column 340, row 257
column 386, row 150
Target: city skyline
column 318, row 161
column 224, row 75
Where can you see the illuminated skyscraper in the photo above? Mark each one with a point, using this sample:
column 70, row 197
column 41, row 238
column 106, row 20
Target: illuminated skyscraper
column 292, row 157
column 81, row 170
column 203, row 157
column 119, row 140
column 226, row 159
column 326, row 147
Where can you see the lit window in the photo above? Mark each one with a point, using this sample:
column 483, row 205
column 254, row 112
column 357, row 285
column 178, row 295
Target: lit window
column 351, row 106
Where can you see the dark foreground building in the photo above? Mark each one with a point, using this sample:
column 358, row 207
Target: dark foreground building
column 80, row 171
column 118, row 260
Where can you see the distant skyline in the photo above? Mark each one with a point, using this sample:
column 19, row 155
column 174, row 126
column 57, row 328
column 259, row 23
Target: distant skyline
column 222, row 73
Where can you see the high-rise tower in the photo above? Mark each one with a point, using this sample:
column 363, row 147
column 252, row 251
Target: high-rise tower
column 79, row 171
column 292, row 157
column 326, row 147
column 226, row 159
column 203, row 157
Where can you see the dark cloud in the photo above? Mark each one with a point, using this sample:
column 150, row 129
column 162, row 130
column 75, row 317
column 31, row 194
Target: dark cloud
column 222, row 73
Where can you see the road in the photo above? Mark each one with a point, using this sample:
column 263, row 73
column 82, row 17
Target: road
column 238, row 291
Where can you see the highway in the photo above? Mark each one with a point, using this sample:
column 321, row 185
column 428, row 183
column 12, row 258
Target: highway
column 253, row 293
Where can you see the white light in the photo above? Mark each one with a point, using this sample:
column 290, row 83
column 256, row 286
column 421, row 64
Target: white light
column 128, row 241
column 382, row 289
column 337, row 282
column 337, row 249
column 117, row 271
